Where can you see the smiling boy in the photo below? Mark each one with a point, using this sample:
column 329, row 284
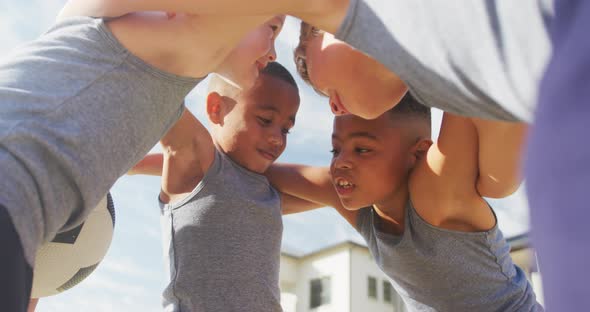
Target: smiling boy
column 93, row 87
column 221, row 217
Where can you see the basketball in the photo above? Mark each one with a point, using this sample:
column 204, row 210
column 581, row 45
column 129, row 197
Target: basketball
column 73, row 255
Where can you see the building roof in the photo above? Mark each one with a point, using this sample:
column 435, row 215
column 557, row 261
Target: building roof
column 298, row 254
column 517, row 242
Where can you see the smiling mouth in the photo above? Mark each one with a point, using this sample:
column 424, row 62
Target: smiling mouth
column 267, row 155
column 343, row 186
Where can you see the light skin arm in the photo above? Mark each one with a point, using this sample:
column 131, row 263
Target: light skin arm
column 187, row 45
column 325, row 14
column 309, row 183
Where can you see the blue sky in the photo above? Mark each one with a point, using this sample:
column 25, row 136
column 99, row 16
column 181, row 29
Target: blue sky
column 130, row 278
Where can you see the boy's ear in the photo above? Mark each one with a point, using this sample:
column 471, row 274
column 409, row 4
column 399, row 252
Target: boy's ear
column 419, row 149
column 214, row 103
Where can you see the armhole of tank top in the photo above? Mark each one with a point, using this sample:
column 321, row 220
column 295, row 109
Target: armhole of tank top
column 210, row 174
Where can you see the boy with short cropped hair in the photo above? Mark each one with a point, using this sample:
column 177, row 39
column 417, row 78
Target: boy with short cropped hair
column 481, row 59
column 221, row 217
column 417, row 206
column 85, row 101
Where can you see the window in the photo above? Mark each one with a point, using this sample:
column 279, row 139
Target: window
column 320, row 292
column 372, row 287
column 387, row 291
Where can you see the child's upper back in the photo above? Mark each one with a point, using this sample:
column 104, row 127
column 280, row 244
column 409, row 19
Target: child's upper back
column 435, row 269
column 225, row 244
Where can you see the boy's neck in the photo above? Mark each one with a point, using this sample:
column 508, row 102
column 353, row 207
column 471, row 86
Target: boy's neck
column 392, row 213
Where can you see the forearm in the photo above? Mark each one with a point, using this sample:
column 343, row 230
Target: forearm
column 97, row 8
column 308, row 188
column 187, row 45
column 325, row 14
column 305, row 182
column 291, row 204
column 184, row 45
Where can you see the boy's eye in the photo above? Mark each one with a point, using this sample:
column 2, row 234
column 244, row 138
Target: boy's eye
column 362, row 150
column 264, row 121
column 286, row 131
column 334, row 151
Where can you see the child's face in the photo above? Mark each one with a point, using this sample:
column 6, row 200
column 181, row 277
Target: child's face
column 354, row 82
column 371, row 160
column 252, row 54
column 254, row 132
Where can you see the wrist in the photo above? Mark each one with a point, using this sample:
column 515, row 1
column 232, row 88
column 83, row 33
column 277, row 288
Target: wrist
column 327, row 15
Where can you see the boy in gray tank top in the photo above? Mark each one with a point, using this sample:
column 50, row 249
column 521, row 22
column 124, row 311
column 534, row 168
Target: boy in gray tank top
column 221, row 218
column 419, row 206
column 89, row 88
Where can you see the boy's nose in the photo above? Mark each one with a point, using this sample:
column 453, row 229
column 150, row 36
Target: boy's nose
column 336, row 108
column 275, row 139
column 336, row 111
column 341, row 162
column 272, row 54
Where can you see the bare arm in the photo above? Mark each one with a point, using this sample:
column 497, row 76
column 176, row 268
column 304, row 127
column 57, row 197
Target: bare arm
column 187, row 45
column 325, row 14
column 500, row 152
column 443, row 186
column 472, row 158
column 188, row 154
column 151, row 164
column 312, row 184
column 292, row 204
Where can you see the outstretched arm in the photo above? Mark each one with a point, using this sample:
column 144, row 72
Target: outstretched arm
column 187, row 45
column 291, row 204
column 152, row 165
column 312, row 184
column 325, row 14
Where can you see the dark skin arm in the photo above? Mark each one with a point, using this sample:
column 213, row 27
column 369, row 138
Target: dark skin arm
column 447, row 186
column 188, row 154
column 310, row 183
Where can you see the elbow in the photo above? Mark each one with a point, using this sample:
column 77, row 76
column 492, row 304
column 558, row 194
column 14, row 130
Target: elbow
column 94, row 8
column 492, row 188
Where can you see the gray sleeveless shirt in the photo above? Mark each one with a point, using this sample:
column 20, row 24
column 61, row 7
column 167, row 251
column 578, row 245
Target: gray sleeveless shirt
column 77, row 110
column 222, row 243
column 434, row 269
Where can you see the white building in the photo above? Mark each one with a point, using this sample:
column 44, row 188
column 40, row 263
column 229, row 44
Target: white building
column 339, row 278
column 344, row 278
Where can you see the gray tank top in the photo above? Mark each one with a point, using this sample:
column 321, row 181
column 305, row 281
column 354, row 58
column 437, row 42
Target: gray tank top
column 434, row 269
column 469, row 57
column 77, row 111
column 222, row 243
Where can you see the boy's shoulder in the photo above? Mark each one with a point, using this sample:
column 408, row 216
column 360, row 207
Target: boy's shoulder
column 445, row 204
